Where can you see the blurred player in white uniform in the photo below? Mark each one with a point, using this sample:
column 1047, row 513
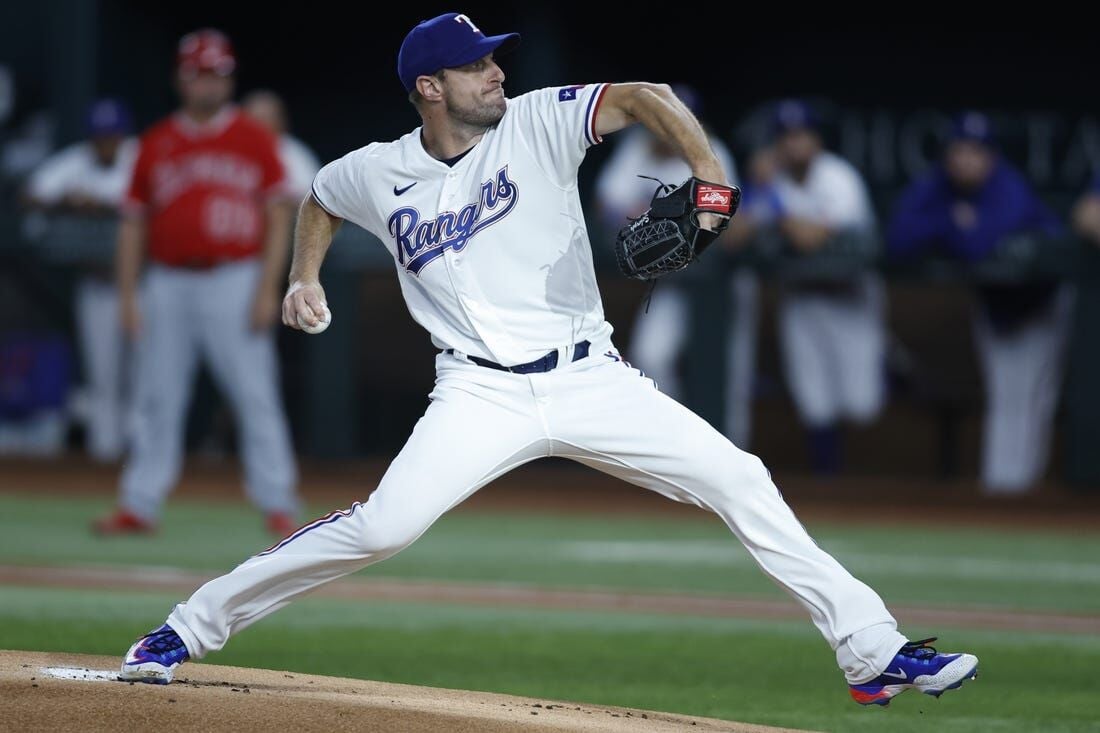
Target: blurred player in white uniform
column 89, row 179
column 661, row 327
column 832, row 334
column 480, row 209
column 299, row 162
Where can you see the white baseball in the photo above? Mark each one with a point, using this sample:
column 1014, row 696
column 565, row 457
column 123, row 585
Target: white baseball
column 326, row 318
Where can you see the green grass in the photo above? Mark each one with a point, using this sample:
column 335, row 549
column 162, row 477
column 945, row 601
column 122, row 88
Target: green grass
column 757, row 671
column 909, row 564
column 780, row 673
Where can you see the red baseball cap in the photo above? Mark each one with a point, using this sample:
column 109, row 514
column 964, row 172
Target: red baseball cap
column 206, row 50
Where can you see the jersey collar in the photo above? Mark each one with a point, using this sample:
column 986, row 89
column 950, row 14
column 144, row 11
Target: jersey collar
column 436, row 163
column 214, row 126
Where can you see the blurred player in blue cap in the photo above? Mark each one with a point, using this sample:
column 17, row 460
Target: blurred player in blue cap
column 89, row 176
column 965, row 208
column 89, row 179
column 831, row 333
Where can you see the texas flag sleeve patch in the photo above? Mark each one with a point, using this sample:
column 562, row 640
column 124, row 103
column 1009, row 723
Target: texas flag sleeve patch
column 569, row 94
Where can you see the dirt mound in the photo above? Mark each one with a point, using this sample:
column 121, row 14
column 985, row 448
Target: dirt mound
column 42, row 691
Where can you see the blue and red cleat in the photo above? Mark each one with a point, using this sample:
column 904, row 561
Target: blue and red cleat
column 154, row 657
column 917, row 666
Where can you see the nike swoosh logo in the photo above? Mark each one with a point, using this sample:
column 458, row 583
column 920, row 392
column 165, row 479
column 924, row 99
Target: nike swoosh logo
column 398, row 191
column 900, row 676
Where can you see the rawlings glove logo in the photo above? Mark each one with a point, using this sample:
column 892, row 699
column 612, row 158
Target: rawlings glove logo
column 668, row 237
column 712, row 198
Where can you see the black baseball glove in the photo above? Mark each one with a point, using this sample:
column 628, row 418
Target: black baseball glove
column 667, row 238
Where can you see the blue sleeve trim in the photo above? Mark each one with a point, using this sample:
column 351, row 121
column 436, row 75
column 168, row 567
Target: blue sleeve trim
column 330, row 212
column 590, row 115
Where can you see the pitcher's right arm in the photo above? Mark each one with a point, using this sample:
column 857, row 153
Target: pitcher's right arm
column 305, row 298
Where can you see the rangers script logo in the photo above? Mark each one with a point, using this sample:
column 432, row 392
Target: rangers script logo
column 420, row 242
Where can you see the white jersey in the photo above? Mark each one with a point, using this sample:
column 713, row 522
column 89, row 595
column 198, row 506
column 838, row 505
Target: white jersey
column 493, row 254
column 76, row 170
column 620, row 189
column 300, row 164
column 832, row 194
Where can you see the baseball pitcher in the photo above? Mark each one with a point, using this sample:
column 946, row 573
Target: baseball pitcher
column 479, row 208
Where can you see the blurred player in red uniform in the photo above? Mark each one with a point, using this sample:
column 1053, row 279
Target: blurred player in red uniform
column 207, row 207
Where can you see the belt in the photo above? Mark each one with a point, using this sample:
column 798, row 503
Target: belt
column 201, row 264
column 542, row 364
column 195, row 265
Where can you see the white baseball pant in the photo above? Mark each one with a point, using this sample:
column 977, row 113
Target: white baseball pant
column 193, row 313
column 833, row 352
column 1023, row 372
column 103, row 351
column 598, row 411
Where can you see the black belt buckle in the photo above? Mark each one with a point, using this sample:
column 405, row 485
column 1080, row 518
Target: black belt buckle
column 545, row 363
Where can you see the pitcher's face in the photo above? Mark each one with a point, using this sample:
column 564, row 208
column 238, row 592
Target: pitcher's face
column 474, row 93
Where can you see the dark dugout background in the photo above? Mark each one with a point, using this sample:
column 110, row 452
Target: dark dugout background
column 887, row 88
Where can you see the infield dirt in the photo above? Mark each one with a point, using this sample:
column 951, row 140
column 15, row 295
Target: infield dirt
column 35, row 695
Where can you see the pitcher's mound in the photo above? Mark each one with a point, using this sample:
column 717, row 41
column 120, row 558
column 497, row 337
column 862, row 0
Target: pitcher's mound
column 42, row 691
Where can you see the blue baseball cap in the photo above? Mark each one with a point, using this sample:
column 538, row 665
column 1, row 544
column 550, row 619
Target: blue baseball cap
column 108, row 117
column 794, row 114
column 443, row 42
column 975, row 127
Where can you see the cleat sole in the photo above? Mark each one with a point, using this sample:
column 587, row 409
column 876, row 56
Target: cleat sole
column 971, row 675
column 148, row 676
